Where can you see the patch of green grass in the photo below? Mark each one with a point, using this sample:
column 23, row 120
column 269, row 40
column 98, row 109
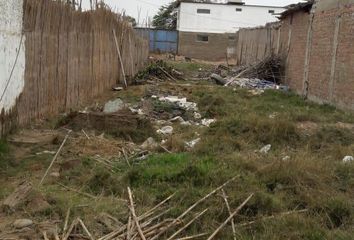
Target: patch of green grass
column 173, row 169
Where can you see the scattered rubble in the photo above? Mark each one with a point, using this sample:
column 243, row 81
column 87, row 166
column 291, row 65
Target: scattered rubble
column 265, row 149
column 192, row 143
column 114, row 106
column 266, row 74
column 208, row 122
column 181, row 102
column 348, row 159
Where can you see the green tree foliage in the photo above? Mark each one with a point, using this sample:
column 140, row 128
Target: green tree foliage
column 166, row 18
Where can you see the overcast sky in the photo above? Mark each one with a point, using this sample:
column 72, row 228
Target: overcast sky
column 150, row 7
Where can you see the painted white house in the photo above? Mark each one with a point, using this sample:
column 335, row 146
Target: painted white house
column 211, row 25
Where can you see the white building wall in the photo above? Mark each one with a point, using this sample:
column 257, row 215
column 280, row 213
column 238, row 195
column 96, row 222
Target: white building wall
column 11, row 16
column 223, row 18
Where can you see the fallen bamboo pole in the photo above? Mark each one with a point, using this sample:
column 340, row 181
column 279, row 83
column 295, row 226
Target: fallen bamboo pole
column 55, row 157
column 272, row 217
column 230, row 217
column 187, row 225
column 120, row 58
column 229, row 210
column 192, row 207
column 135, row 218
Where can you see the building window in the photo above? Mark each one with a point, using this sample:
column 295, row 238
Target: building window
column 232, row 38
column 203, row 11
column 271, row 11
column 238, row 9
column 202, row 38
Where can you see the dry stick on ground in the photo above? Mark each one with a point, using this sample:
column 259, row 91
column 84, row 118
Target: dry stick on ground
column 45, row 236
column 152, row 210
column 271, row 217
column 149, row 221
column 192, row 207
column 73, row 224
column 120, row 57
column 135, row 218
column 187, row 225
column 145, row 215
column 230, row 217
column 85, row 229
column 193, row 237
column 129, row 227
column 165, row 149
column 77, row 191
column 167, row 74
column 229, row 209
column 66, row 222
column 55, row 157
column 83, row 131
column 125, row 157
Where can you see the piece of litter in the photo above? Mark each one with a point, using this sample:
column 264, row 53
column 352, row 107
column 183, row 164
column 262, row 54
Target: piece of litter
column 265, row 149
column 192, row 143
column 208, row 122
column 197, row 115
column 348, row 159
column 137, row 111
column 149, row 144
column 177, row 119
column 167, row 130
column 117, row 89
column 186, row 123
column 55, row 174
column 46, row 152
column 286, row 158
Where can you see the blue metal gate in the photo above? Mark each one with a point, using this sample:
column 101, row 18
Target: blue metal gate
column 163, row 41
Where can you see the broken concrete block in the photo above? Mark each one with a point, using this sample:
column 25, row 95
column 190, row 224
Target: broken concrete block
column 18, row 197
column 218, row 79
column 22, row 223
column 113, row 106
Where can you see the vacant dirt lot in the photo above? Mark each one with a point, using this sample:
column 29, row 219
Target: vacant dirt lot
column 284, row 153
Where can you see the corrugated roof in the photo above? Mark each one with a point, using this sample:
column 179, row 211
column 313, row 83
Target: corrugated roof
column 303, row 6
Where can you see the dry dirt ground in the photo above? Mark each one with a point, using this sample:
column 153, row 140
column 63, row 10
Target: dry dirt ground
column 272, row 160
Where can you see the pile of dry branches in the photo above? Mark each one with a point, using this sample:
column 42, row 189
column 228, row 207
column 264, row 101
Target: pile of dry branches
column 153, row 224
column 271, row 69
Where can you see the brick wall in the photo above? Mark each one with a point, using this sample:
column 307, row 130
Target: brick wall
column 213, row 50
column 297, row 49
column 319, row 46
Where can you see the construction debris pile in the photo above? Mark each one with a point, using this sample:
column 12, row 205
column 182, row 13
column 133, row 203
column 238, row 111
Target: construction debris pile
column 158, row 70
column 265, row 74
column 270, row 69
